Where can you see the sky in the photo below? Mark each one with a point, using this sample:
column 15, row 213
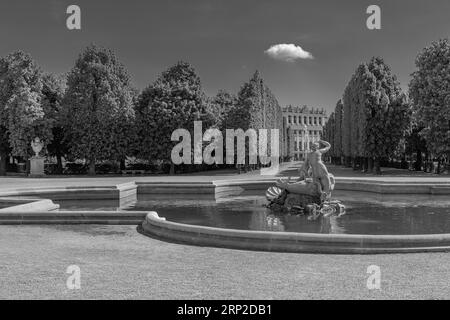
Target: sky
column 227, row 40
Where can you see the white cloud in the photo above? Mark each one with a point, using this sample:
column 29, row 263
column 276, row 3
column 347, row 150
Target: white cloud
column 288, row 52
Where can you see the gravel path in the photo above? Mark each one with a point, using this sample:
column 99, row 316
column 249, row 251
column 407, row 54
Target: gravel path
column 118, row 263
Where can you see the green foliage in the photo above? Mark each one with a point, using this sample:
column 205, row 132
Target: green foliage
column 256, row 108
column 376, row 113
column 429, row 90
column 329, row 133
column 415, row 142
column 53, row 90
column 258, row 105
column 247, row 112
column 98, row 104
column 337, row 132
column 22, row 115
column 355, row 96
column 221, row 104
column 347, row 124
column 174, row 101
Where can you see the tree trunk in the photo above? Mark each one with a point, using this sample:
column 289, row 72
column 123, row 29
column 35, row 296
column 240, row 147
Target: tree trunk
column 377, row 166
column 27, row 166
column 348, row 162
column 391, row 163
column 370, row 165
column 354, row 163
column 364, row 164
column 122, row 164
column 59, row 166
column 3, row 157
column 172, row 169
column 425, row 167
column 419, row 161
column 91, row 171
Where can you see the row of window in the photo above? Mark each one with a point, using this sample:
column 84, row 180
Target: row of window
column 310, row 132
column 301, row 147
column 306, row 120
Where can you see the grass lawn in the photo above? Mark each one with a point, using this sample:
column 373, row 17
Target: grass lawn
column 117, row 262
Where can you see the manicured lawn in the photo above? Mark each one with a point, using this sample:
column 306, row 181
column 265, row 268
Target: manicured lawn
column 117, row 262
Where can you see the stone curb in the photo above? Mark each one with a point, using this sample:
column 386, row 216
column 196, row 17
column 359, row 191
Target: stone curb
column 155, row 226
column 73, row 217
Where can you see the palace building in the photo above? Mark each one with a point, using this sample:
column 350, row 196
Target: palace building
column 302, row 126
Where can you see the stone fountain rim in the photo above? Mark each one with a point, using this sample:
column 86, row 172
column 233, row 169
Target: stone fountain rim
column 228, row 238
column 158, row 227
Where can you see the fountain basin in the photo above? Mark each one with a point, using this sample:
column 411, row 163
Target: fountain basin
column 216, row 191
column 156, row 226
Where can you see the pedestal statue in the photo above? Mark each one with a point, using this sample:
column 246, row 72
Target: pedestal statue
column 311, row 193
column 36, row 161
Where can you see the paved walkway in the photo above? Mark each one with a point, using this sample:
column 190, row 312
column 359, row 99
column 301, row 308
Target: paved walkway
column 390, row 175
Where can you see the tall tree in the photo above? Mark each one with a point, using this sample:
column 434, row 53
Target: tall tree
column 22, row 116
column 388, row 115
column 429, row 90
column 53, row 90
column 352, row 117
column 416, row 144
column 222, row 103
column 248, row 111
column 99, row 104
column 256, row 108
column 329, row 134
column 347, row 124
column 379, row 113
column 174, row 101
column 338, row 112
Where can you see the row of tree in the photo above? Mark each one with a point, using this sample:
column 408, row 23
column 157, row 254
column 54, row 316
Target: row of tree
column 93, row 113
column 375, row 120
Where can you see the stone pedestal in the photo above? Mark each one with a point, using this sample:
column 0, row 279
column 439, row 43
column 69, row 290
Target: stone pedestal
column 36, row 167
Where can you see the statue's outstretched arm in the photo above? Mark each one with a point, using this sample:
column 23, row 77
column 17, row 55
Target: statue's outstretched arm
column 327, row 146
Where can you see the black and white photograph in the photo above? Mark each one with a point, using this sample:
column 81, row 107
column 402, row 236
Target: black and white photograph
column 225, row 155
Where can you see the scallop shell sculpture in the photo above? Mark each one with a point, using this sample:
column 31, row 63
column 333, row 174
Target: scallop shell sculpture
column 273, row 193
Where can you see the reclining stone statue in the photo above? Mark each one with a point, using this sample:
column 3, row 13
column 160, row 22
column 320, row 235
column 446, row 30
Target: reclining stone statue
column 311, row 190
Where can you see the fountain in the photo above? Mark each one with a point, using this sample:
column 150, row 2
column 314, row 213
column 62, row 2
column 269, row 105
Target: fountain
column 311, row 193
column 382, row 217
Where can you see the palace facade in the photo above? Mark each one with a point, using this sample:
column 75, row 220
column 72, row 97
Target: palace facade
column 302, row 126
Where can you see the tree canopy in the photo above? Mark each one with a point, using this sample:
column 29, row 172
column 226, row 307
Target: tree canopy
column 174, row 101
column 99, row 104
column 22, row 115
column 429, row 91
column 376, row 114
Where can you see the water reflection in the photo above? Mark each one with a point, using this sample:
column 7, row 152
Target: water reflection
column 365, row 214
column 268, row 221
